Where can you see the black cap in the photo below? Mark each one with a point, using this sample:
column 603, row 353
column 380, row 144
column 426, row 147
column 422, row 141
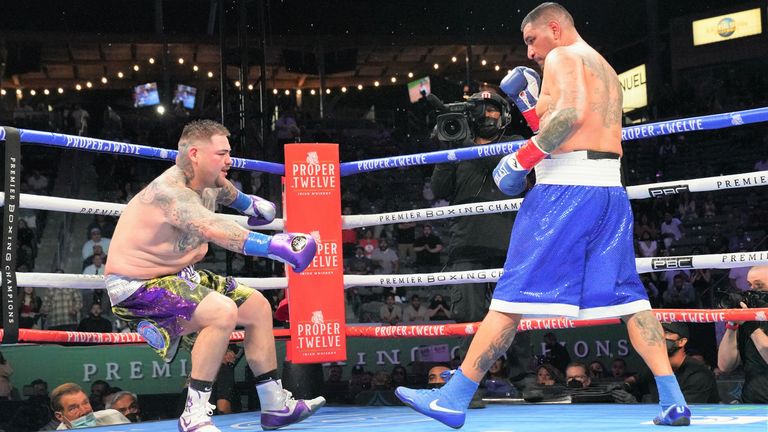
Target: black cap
column 680, row 329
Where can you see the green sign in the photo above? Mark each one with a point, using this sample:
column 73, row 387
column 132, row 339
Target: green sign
column 137, row 368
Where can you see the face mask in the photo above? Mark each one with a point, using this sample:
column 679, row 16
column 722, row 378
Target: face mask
column 487, row 128
column 435, row 385
column 87, row 420
column 574, row 383
column 133, row 417
column 671, row 347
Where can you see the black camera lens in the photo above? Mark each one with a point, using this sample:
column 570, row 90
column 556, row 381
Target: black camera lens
column 731, row 301
column 452, row 127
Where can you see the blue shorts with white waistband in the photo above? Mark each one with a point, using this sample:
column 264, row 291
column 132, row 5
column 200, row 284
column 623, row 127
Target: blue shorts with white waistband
column 571, row 253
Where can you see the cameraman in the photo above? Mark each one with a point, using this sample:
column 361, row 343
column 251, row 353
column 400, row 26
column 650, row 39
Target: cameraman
column 476, row 242
column 747, row 343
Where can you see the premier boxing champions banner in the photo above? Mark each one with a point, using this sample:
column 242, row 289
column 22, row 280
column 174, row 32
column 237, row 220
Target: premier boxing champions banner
column 316, row 295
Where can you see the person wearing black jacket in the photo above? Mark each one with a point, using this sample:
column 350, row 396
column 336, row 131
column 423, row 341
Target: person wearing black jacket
column 480, row 241
column 697, row 381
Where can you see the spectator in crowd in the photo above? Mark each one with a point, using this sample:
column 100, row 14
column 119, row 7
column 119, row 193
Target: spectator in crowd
column 29, row 308
column 643, row 224
column 746, row 343
column 415, row 312
column 368, row 243
column 398, row 377
column 548, row 375
column 73, row 409
column 95, row 239
column 286, row 129
column 717, row 243
column 619, row 369
column 496, row 381
column 686, row 206
column 94, row 322
column 597, row 370
column 97, row 265
column 61, row 307
column 556, row 354
column 224, row 393
column 438, row 309
column 577, row 376
column 38, row 183
column 406, row 235
column 80, row 119
column 671, row 229
column 390, row 313
column 106, row 225
column 701, row 279
column 97, row 250
column 385, row 258
column 359, row 264
column 6, row 370
column 435, row 375
column 680, row 295
column 127, row 404
column 35, row 413
column 428, row 248
column 740, row 240
column 336, row 388
column 650, row 289
column 647, row 246
column 697, row 382
column 99, row 388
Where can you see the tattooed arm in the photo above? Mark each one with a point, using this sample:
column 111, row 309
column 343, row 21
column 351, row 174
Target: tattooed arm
column 227, row 193
column 564, row 80
column 184, row 209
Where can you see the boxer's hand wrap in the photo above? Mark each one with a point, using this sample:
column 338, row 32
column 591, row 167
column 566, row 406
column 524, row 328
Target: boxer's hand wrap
column 259, row 210
column 294, row 249
column 509, row 175
column 522, row 86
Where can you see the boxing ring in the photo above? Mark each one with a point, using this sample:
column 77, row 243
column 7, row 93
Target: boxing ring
column 518, row 417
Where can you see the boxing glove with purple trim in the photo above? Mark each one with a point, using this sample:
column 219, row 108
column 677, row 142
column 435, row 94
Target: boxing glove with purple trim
column 522, row 86
column 294, row 249
column 259, row 210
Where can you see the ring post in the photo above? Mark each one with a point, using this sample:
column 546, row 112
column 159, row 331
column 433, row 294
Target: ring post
column 316, row 295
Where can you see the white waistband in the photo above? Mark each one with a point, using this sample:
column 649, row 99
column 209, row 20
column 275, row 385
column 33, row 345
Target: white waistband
column 120, row 288
column 575, row 169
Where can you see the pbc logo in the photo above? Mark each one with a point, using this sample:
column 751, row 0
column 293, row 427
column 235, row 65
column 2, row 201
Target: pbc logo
column 672, row 263
column 667, row 190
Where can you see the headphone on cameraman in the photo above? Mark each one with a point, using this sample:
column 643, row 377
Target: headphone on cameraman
column 504, row 108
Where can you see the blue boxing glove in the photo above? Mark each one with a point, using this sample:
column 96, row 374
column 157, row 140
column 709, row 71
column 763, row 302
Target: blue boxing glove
column 294, row 249
column 259, row 210
column 509, row 175
column 522, row 86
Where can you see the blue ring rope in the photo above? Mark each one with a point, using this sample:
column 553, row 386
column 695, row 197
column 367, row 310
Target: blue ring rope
column 650, row 130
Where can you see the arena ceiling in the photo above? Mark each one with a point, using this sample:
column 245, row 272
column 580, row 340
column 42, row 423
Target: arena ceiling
column 64, row 43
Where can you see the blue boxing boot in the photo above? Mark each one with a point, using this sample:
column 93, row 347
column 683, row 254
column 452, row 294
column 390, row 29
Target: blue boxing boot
column 674, row 411
column 447, row 404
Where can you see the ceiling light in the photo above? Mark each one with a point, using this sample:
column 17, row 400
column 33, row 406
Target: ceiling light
column 136, row 68
column 151, row 60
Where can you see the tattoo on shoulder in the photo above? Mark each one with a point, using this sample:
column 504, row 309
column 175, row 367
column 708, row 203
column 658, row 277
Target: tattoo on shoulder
column 607, row 96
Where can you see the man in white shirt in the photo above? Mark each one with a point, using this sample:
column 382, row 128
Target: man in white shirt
column 96, row 239
column 386, row 259
column 97, row 268
column 670, row 229
column 415, row 312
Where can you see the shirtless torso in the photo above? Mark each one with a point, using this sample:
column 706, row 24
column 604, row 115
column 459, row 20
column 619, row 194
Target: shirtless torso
column 160, row 231
column 576, row 77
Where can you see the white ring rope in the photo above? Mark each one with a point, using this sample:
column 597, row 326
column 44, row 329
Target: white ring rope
column 733, row 181
column 644, row 265
column 68, row 205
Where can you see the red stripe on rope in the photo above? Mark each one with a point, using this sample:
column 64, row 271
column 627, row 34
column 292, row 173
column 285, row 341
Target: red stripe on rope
column 424, row 330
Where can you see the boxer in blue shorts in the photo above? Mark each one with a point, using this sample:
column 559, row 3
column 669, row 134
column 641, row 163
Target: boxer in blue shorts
column 571, row 250
column 163, row 231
